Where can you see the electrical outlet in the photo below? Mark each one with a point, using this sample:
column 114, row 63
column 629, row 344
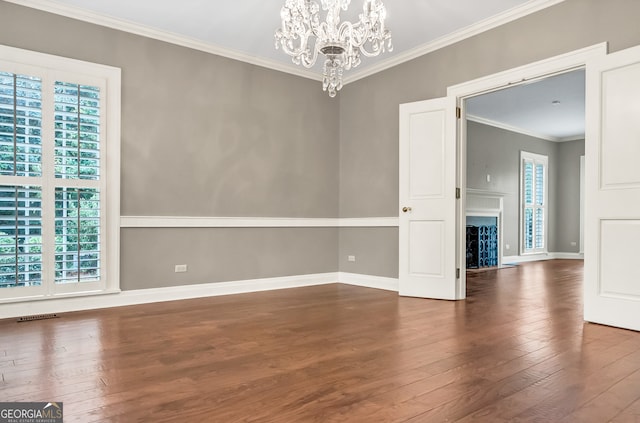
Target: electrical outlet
column 351, row 258
column 573, row 243
column 507, row 246
column 181, row 268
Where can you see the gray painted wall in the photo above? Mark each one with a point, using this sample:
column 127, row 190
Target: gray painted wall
column 369, row 107
column 203, row 135
column 223, row 254
column 373, row 248
column 568, row 196
column 496, row 152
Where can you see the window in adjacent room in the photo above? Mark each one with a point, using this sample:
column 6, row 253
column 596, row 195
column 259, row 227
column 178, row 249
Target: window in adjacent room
column 59, row 176
column 533, row 201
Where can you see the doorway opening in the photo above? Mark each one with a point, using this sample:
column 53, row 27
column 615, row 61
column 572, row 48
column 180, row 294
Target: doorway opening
column 433, row 165
column 524, row 145
column 464, row 93
column 432, row 225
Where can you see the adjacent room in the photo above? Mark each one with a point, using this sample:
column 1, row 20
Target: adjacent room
column 525, row 162
column 199, row 225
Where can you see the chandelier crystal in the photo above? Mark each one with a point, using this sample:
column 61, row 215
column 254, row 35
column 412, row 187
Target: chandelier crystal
column 303, row 36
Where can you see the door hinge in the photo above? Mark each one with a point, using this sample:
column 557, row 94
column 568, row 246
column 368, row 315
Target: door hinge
column 458, row 273
column 458, row 112
column 457, row 193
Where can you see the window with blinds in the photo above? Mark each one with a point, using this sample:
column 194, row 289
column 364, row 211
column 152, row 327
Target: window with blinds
column 77, row 157
column 533, row 201
column 77, row 235
column 20, row 158
column 54, row 226
column 20, row 236
column 77, row 136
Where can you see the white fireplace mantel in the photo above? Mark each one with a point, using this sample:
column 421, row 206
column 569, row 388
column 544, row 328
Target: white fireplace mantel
column 484, row 201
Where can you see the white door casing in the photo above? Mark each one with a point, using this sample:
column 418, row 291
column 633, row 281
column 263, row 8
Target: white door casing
column 612, row 184
column 582, row 174
column 427, row 216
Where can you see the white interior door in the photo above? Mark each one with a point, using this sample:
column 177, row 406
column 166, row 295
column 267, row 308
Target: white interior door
column 428, row 199
column 612, row 215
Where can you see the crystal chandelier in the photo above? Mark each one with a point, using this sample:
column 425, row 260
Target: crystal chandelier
column 303, row 36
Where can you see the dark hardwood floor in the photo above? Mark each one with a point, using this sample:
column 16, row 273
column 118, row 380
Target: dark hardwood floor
column 516, row 350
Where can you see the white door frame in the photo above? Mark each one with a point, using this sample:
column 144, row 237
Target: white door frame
column 523, row 74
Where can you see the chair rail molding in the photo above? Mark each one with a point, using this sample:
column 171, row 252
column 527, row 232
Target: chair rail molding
column 254, row 222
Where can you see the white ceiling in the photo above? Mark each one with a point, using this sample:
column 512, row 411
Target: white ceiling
column 244, row 30
column 529, row 108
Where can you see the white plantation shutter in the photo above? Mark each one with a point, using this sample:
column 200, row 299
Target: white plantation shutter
column 59, row 204
column 77, row 207
column 20, row 125
column 533, row 201
column 77, row 136
column 528, row 204
column 77, row 235
column 20, row 236
column 20, row 159
column 540, row 205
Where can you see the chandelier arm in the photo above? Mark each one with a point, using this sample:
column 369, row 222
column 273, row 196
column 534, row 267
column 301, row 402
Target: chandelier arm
column 349, row 32
column 301, row 52
column 318, row 32
column 300, row 49
column 367, row 53
column 381, row 44
column 309, row 61
column 295, row 52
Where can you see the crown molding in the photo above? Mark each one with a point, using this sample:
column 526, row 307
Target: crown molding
column 572, row 138
column 510, row 128
column 457, row 36
column 522, row 131
column 166, row 36
column 169, row 37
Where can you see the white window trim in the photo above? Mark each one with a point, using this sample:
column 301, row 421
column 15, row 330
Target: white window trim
column 537, row 159
column 35, row 63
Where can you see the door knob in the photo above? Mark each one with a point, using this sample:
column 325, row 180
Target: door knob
column 406, row 209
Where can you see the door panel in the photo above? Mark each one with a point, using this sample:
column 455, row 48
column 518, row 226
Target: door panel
column 426, row 151
column 619, row 159
column 427, row 199
column 426, row 244
column 612, row 183
column 616, row 259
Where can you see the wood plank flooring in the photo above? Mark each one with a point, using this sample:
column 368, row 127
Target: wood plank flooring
column 516, row 350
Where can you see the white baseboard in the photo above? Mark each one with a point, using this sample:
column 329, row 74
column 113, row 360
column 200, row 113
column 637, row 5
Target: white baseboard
column 174, row 293
column 153, row 295
column 525, row 259
column 568, row 256
column 539, row 257
column 378, row 282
